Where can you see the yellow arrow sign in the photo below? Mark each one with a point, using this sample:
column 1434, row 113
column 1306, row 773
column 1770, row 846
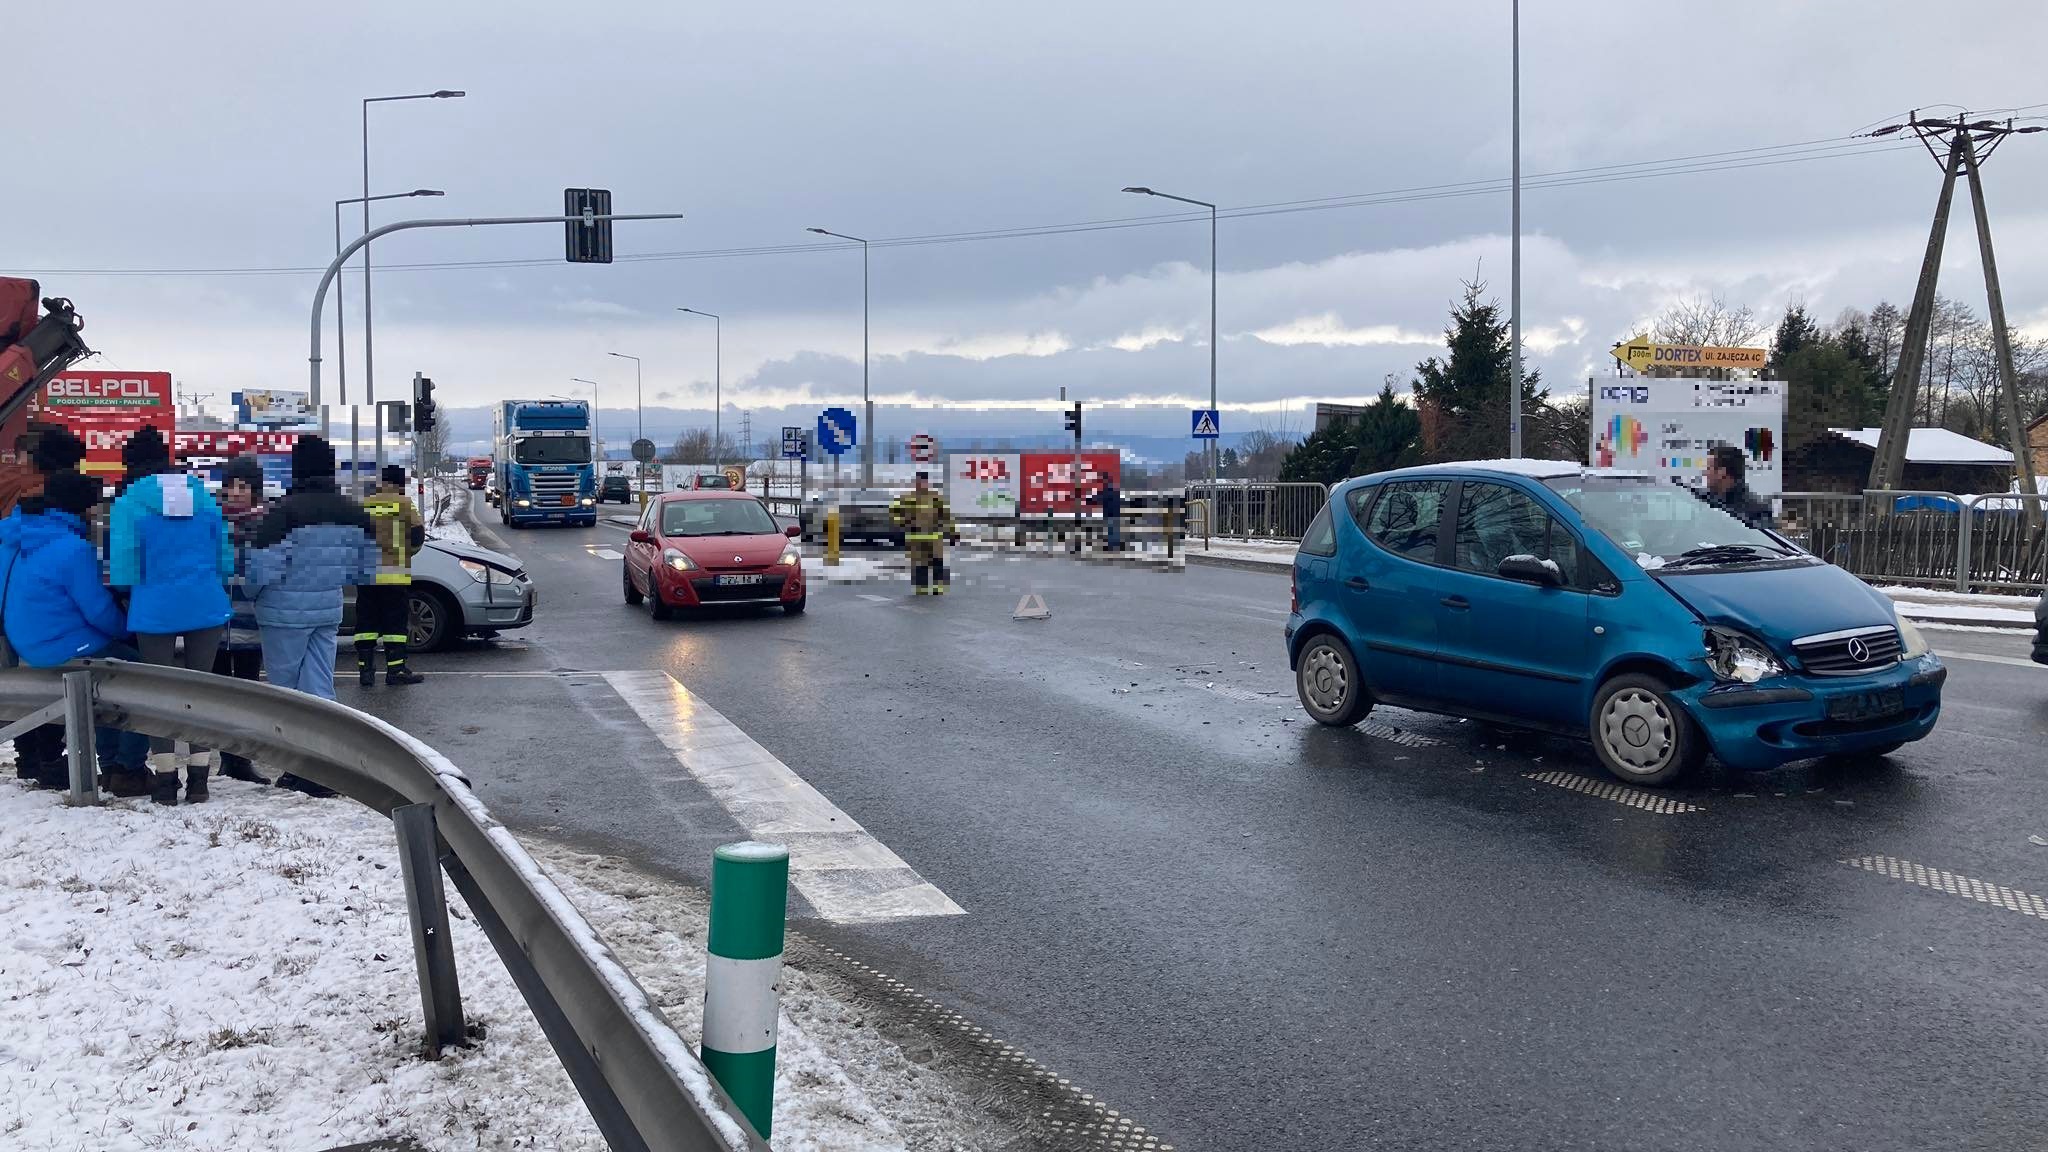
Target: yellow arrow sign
column 1642, row 355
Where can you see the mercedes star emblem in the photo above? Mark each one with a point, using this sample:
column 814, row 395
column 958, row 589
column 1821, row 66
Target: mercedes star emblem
column 1858, row 650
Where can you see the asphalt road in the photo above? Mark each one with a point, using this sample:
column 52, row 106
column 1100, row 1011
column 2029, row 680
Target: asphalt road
column 1255, row 933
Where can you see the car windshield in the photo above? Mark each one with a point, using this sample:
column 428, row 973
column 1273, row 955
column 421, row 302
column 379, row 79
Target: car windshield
column 716, row 518
column 554, row 450
column 1659, row 523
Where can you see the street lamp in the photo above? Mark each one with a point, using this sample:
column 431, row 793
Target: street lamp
column 1515, row 255
column 1209, row 520
column 340, row 341
column 867, row 447
column 639, row 423
column 717, row 406
column 369, row 356
column 596, row 444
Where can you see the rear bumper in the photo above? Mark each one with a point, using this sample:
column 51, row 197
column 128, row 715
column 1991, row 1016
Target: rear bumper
column 1760, row 726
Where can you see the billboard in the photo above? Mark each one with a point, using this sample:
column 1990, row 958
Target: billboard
column 984, row 484
column 1667, row 427
column 104, row 409
column 272, row 408
column 1048, row 481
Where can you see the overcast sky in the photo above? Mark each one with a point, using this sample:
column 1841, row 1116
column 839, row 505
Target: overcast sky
column 217, row 136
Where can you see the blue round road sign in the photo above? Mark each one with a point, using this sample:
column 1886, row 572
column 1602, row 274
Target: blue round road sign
column 836, row 430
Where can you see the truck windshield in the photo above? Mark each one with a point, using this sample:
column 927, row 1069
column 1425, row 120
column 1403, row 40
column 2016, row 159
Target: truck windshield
column 1659, row 523
column 554, row 450
column 716, row 518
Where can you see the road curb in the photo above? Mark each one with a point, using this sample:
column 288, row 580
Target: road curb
column 1196, row 557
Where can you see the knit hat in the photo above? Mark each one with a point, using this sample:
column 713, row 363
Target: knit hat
column 393, row 474
column 145, row 449
column 57, row 449
column 73, row 492
column 312, row 458
column 247, row 469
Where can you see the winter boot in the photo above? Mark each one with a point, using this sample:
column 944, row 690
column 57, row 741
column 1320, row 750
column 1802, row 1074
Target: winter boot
column 198, row 766
column 236, row 767
column 298, row 784
column 163, row 771
column 54, row 773
column 366, row 661
column 125, row 782
column 396, row 670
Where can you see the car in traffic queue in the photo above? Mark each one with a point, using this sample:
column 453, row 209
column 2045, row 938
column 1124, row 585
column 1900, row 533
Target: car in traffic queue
column 709, row 546
column 458, row 590
column 615, row 486
column 864, row 514
column 1610, row 606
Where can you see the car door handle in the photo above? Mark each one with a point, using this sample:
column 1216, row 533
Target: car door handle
column 1456, row 603
column 1357, row 584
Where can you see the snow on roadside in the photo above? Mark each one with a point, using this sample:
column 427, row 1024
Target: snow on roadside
column 451, row 528
column 239, row 975
column 1967, row 614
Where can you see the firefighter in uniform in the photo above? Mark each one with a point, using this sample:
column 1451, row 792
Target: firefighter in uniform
column 926, row 522
column 382, row 612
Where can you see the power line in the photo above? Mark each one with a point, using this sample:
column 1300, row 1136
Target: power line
column 1699, row 163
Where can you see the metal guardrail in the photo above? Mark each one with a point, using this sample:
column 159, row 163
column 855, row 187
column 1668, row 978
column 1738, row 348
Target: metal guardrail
column 643, row 1086
column 1937, row 539
column 1264, row 509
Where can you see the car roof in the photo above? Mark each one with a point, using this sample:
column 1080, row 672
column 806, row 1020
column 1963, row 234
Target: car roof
column 1531, row 469
column 706, row 494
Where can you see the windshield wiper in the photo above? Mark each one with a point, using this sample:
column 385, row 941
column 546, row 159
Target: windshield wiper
column 1727, row 554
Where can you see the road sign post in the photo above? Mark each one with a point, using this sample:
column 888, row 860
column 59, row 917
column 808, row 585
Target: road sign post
column 643, row 454
column 1643, row 355
column 923, row 448
column 1207, row 424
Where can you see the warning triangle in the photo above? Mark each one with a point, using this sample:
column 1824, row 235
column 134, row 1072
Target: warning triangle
column 1031, row 607
column 1204, row 426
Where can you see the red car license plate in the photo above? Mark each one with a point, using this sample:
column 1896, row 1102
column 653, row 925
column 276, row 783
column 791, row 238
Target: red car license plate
column 747, row 578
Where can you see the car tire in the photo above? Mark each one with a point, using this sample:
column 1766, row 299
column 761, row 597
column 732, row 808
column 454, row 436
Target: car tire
column 656, row 606
column 1641, row 734
column 632, row 592
column 1329, row 682
column 431, row 619
column 796, row 606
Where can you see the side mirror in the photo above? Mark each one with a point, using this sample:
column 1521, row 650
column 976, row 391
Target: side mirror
column 793, row 530
column 641, row 536
column 1530, row 570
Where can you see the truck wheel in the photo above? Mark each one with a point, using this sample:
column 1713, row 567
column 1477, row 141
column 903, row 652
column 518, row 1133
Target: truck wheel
column 1641, row 734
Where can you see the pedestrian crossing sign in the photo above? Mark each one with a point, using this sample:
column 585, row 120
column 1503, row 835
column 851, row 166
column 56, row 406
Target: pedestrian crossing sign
column 1206, row 424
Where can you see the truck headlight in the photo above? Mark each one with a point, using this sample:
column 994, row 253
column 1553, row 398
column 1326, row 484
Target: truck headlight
column 676, row 560
column 522, row 502
column 1743, row 659
column 1914, row 645
column 587, row 502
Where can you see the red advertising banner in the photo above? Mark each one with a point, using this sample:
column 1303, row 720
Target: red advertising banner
column 104, row 409
column 1049, row 479
column 234, row 443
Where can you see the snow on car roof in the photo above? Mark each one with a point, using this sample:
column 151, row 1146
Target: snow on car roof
column 1536, row 469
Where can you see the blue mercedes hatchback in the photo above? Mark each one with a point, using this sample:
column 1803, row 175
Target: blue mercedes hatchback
column 1604, row 605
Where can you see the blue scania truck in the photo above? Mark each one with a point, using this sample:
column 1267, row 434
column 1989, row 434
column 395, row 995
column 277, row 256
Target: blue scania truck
column 546, row 473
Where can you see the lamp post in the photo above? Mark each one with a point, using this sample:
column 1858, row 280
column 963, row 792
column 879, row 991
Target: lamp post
column 596, row 442
column 369, row 355
column 1515, row 254
column 867, row 445
column 639, row 423
column 1208, row 521
column 340, row 340
column 717, row 405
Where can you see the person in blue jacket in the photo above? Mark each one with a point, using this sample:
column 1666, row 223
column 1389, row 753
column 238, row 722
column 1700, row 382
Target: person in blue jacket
column 168, row 546
column 309, row 546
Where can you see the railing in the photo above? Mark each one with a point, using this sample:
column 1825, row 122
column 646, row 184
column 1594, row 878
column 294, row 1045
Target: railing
column 644, row 1087
column 1265, row 509
column 1935, row 539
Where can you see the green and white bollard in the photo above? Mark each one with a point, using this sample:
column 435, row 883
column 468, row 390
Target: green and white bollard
column 743, row 974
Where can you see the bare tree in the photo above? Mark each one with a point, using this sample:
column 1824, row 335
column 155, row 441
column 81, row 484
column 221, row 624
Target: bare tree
column 1707, row 320
column 695, row 446
column 428, row 447
column 1260, row 453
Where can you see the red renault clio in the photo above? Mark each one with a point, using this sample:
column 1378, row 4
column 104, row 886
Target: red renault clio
column 712, row 547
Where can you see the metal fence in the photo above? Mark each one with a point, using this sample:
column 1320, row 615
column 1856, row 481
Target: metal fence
column 1262, row 509
column 644, row 1087
column 1992, row 543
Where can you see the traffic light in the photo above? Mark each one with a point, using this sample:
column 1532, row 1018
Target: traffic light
column 422, row 403
column 589, row 239
column 1074, row 420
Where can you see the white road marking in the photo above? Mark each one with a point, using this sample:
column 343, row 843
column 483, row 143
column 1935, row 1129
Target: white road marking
column 875, row 598
column 845, row 873
column 2010, row 899
column 1986, row 657
column 1619, row 793
column 606, row 553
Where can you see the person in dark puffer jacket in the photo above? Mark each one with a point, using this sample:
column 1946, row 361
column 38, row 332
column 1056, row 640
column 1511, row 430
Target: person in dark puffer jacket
column 241, row 653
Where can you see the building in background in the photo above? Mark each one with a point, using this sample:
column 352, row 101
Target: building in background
column 1937, row 460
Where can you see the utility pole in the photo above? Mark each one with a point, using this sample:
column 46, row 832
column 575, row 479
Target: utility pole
column 1969, row 143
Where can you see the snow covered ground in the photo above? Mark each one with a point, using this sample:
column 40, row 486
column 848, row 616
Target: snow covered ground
column 450, row 526
column 239, row 975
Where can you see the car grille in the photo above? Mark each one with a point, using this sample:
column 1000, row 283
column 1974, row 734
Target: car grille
column 1849, row 653
column 711, row 592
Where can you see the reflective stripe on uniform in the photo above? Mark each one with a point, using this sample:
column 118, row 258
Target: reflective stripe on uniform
column 924, row 535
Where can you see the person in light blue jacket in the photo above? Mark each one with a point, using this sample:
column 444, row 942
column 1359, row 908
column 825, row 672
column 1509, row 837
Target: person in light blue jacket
column 309, row 546
column 168, row 546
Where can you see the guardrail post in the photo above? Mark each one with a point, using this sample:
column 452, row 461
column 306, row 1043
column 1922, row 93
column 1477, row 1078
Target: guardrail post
column 426, row 906
column 78, row 741
column 743, row 974
column 1963, row 518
